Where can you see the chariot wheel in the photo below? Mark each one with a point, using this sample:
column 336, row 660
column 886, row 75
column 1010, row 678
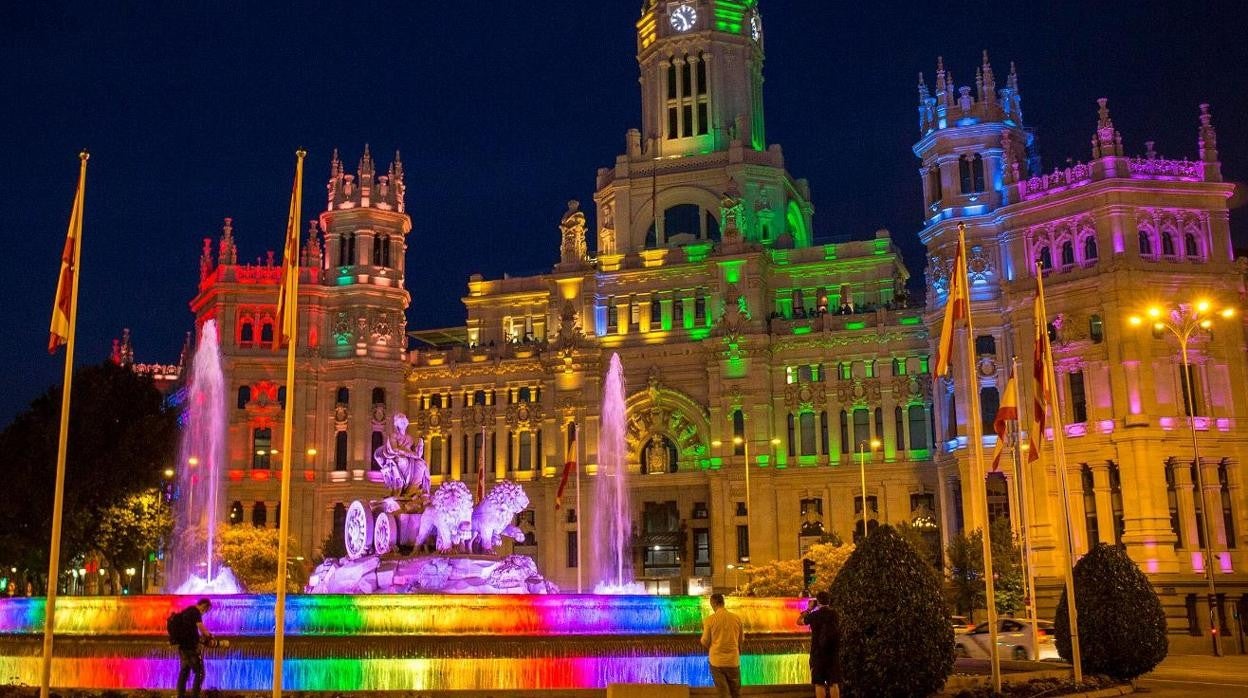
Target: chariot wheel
column 358, row 529
column 385, row 530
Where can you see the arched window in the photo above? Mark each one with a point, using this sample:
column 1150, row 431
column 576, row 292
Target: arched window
column 823, row 433
column 1189, row 246
column 236, row 513
column 1167, row 244
column 1096, row 329
column 791, row 432
column 381, row 251
column 524, row 395
column 964, row 174
column 808, row 434
column 1046, row 259
column 526, row 450
column 259, row 515
column 1068, row 254
column 899, row 427
column 738, row 432
column 683, row 219
column 244, row 396
column 977, row 172
column 343, row 396
column 1146, row 243
column 340, row 520
column 918, row 427
column 266, row 332
column 862, row 426
column 379, row 438
column 340, row 450
column 1092, row 528
column 346, row 250
column 379, row 396
column 1228, row 511
column 990, row 401
column 261, row 446
column 247, row 332
column 1089, row 248
column 845, row 445
column 435, row 400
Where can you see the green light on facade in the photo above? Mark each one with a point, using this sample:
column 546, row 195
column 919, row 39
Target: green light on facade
column 881, row 246
column 910, row 320
column 732, row 270
column 729, row 16
column 797, row 225
column 346, row 280
column 920, row 454
column 855, row 325
column 735, row 367
column 829, row 252
column 716, row 463
column 698, row 251
column 780, row 257
column 801, row 330
column 699, row 333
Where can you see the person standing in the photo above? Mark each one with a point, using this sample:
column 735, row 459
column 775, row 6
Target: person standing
column 825, row 644
column 189, row 634
column 722, row 636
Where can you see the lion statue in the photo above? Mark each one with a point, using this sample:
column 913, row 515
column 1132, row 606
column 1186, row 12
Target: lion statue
column 492, row 519
column 449, row 513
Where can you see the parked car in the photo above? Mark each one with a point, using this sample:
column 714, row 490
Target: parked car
column 961, row 625
column 1014, row 640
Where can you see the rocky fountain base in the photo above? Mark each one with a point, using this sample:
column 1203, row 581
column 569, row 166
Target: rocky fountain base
column 430, row 574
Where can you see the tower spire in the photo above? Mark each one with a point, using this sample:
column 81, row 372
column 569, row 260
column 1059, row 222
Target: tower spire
column 227, row 251
column 1207, row 137
column 988, row 91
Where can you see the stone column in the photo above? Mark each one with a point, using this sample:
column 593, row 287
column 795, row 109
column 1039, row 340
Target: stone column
column 1187, row 505
column 1212, row 504
column 1146, row 510
column 1104, row 503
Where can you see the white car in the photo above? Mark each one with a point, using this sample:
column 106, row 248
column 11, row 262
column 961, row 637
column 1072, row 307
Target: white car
column 1013, row 640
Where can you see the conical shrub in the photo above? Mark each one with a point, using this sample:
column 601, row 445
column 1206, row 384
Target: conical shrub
column 896, row 640
column 1122, row 626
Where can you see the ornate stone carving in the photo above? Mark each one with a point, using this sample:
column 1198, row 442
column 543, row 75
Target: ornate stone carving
column 342, row 329
column 477, row 416
column 732, row 322
column 606, row 235
column 804, row 395
column 979, row 264
column 340, row 416
column 859, row 391
column 524, row 415
column 573, row 249
column 381, row 329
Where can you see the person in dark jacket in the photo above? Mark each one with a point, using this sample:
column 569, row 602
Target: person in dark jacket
column 189, row 644
column 825, row 641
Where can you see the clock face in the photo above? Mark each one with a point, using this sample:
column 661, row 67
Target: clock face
column 756, row 27
column 684, row 17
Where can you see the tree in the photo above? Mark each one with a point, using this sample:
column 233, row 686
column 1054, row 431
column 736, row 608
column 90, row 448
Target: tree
column 122, row 435
column 333, row 546
column 1122, row 625
column 895, row 634
column 966, row 570
column 251, row 553
column 924, row 539
column 784, row 577
column 829, row 559
column 130, row 529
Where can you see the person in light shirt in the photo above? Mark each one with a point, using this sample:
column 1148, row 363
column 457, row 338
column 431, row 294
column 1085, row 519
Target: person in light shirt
column 722, row 636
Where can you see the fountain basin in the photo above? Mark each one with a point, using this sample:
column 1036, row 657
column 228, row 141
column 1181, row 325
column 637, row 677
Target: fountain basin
column 405, row 642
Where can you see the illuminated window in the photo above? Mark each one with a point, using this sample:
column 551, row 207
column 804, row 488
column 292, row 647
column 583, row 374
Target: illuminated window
column 899, row 366
column 236, row 513
column 738, row 432
column 790, row 374
column 1096, row 329
column 261, row 445
column 846, row 371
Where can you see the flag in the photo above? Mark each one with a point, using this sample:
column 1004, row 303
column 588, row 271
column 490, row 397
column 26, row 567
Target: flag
column 59, row 330
column 1043, row 393
column 481, row 468
column 1006, row 412
column 569, row 464
column 286, row 304
column 957, row 304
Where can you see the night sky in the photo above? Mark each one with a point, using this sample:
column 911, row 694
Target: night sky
column 503, row 111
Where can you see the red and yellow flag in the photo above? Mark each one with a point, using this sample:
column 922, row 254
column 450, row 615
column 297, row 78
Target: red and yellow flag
column 1006, row 412
column 70, row 257
column 287, row 305
column 1041, row 356
column 957, row 305
column 569, row 464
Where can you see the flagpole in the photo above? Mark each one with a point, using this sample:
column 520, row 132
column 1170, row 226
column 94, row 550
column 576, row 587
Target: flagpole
column 579, row 515
column 975, row 429
column 291, row 272
column 1020, row 496
column 1059, row 455
column 58, row 501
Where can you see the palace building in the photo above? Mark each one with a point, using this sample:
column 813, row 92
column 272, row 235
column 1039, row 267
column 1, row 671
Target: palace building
column 765, row 367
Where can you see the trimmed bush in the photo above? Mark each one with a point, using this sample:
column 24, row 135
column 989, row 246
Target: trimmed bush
column 895, row 634
column 1122, row 626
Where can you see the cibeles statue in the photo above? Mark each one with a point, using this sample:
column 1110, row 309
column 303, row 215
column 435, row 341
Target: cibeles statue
column 402, row 462
column 383, row 538
column 573, row 249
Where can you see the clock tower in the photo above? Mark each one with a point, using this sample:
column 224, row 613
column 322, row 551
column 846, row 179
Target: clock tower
column 699, row 169
column 701, row 74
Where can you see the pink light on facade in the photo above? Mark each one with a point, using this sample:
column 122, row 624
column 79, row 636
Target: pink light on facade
column 1224, row 424
column 1198, row 561
column 1106, row 426
column 1076, row 430
column 1166, row 423
column 1224, row 562
column 1119, row 244
column 1200, row 423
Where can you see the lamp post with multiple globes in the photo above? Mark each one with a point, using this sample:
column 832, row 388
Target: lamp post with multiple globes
column 1182, row 321
column 745, row 452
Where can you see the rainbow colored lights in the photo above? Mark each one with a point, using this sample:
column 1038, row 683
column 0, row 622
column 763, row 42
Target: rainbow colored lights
column 404, row 642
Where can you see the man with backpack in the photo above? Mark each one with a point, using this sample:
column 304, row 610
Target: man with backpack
column 187, row 631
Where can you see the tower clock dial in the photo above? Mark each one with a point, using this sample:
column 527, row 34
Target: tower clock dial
column 684, row 18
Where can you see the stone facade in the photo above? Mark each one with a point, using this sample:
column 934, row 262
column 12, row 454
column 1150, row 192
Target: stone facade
column 734, row 325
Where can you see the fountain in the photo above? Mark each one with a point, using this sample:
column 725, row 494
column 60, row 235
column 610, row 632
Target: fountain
column 192, row 567
column 612, row 515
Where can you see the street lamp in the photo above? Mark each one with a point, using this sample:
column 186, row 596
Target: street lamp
column 1182, row 321
column 862, row 473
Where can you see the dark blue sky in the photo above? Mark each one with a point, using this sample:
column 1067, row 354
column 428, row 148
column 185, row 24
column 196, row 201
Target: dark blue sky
column 503, row 111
